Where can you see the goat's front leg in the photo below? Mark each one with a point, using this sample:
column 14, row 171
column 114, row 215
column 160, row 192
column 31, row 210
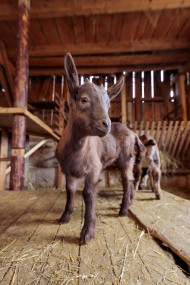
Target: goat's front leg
column 128, row 188
column 89, row 195
column 71, row 185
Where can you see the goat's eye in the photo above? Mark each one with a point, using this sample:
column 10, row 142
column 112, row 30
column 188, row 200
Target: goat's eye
column 84, row 100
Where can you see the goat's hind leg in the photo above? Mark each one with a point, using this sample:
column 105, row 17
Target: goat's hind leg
column 156, row 175
column 128, row 189
column 71, row 185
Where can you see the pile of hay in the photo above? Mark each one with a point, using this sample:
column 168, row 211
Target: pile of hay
column 169, row 164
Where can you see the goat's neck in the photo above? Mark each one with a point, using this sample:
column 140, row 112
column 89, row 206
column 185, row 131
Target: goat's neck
column 74, row 136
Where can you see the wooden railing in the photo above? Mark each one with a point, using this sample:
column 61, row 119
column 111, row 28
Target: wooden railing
column 172, row 137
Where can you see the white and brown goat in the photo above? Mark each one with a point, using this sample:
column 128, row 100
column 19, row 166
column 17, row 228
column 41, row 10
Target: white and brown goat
column 148, row 166
column 90, row 143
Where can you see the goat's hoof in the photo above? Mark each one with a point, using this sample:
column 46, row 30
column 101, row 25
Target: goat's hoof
column 87, row 234
column 64, row 219
column 158, row 197
column 123, row 213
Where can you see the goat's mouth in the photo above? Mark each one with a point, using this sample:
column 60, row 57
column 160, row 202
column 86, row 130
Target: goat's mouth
column 101, row 132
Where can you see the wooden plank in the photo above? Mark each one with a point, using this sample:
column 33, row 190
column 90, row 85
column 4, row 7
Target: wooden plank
column 183, row 96
column 148, row 116
column 164, row 224
column 44, row 49
column 47, row 9
column 185, row 133
column 180, row 130
column 116, row 27
column 152, row 128
column 138, row 96
column 173, row 137
column 130, row 25
column 178, row 23
column 50, row 30
column 168, row 135
column 79, row 29
column 164, row 23
column 153, row 17
column 138, row 259
column 123, row 105
column 37, row 33
column 103, row 24
column 146, row 127
column 90, row 29
column 3, row 154
column 156, row 137
column 142, row 26
column 162, row 134
column 141, row 128
column 22, row 111
column 65, row 29
column 135, row 126
column 186, row 147
column 7, row 67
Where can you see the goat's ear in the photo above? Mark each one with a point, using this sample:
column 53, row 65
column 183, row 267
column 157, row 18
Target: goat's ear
column 71, row 75
column 150, row 142
column 114, row 90
column 139, row 145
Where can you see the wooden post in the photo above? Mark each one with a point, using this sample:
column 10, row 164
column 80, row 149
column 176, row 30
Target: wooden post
column 123, row 105
column 183, row 96
column 3, row 154
column 20, row 97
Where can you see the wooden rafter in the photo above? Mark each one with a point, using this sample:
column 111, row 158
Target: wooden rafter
column 48, row 9
column 99, row 48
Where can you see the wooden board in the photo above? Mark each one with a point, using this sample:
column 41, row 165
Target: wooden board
column 34, row 124
column 34, row 248
column 167, row 219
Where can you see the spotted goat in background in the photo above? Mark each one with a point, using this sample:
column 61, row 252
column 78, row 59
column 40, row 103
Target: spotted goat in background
column 148, row 166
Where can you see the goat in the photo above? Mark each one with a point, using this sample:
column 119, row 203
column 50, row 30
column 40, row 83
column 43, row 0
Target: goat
column 148, row 166
column 90, row 143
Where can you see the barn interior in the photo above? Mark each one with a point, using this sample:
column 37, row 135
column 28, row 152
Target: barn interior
column 148, row 42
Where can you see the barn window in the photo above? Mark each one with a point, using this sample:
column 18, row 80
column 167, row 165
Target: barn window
column 106, row 83
column 152, row 83
column 142, row 84
column 162, row 75
column 133, row 84
column 82, row 80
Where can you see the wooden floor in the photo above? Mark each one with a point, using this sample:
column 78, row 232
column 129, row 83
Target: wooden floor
column 35, row 249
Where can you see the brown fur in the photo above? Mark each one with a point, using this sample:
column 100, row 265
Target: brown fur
column 148, row 166
column 90, row 143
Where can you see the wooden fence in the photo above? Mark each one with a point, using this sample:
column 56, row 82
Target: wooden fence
column 172, row 137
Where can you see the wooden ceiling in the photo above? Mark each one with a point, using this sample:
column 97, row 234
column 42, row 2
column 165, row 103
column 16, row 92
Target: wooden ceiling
column 103, row 36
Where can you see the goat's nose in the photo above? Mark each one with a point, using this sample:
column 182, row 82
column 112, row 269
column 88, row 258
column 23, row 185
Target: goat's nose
column 105, row 124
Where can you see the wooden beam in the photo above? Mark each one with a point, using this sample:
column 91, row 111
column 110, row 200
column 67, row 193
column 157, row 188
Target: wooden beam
column 183, row 96
column 113, row 60
column 111, row 47
column 3, row 154
column 123, row 105
column 24, row 112
column 20, row 99
column 58, row 8
column 45, row 71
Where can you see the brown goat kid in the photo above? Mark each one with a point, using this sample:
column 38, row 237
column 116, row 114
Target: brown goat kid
column 90, row 143
column 148, row 166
